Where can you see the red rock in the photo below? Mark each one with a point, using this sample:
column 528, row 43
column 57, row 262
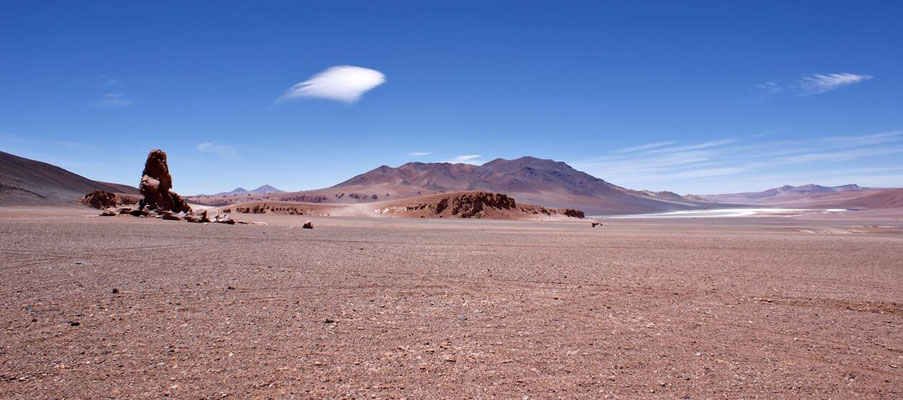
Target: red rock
column 156, row 184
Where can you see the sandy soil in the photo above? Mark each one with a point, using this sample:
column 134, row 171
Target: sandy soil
column 96, row 307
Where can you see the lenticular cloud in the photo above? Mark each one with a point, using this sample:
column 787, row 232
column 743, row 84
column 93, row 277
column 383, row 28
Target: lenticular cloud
column 343, row 83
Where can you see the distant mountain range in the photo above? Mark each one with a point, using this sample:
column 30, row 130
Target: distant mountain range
column 265, row 189
column 527, row 179
column 778, row 193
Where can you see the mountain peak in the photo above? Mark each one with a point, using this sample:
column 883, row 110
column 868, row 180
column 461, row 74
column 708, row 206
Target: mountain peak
column 265, row 189
column 529, row 179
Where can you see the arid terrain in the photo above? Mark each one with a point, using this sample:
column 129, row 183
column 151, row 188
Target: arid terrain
column 99, row 307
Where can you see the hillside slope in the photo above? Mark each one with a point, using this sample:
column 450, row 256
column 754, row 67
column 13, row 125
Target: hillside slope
column 29, row 182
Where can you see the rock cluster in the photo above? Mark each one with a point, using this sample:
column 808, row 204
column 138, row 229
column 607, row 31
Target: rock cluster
column 158, row 202
column 156, row 184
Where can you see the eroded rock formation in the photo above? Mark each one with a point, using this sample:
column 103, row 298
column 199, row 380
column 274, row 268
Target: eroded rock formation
column 156, row 184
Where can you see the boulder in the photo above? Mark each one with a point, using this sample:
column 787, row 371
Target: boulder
column 170, row 216
column 224, row 219
column 200, row 217
column 156, row 184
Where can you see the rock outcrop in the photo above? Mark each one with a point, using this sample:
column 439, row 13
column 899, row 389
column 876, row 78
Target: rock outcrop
column 467, row 205
column 156, row 184
column 100, row 199
column 473, row 205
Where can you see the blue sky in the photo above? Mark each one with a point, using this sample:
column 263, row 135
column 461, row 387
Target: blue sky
column 693, row 97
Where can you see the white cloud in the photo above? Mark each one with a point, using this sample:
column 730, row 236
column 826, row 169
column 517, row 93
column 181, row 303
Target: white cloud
column 807, row 85
column 110, row 81
column 113, row 99
column 706, row 145
column 770, row 87
column 823, row 83
column 419, row 154
column 343, row 83
column 643, row 147
column 466, row 159
column 217, row 148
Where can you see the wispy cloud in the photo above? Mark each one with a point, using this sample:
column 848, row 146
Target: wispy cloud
column 343, row 83
column 466, row 159
column 109, row 81
column 823, row 83
column 642, row 147
column 807, row 85
column 219, row 149
column 113, row 99
column 706, row 145
column 419, row 153
column 770, row 87
column 737, row 162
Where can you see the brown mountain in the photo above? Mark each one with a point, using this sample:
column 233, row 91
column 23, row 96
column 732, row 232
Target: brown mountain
column 527, row 179
column 29, row 182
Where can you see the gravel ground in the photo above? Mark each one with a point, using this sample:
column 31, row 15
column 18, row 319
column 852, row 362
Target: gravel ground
column 391, row 308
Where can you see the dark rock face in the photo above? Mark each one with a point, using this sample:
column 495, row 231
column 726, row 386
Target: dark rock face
column 471, row 204
column 156, row 184
column 572, row 213
column 100, row 199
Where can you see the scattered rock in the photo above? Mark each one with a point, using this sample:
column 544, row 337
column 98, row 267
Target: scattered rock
column 200, row 217
column 595, row 224
column 308, row 225
column 115, row 291
column 74, row 323
column 109, row 212
column 224, row 219
column 170, row 216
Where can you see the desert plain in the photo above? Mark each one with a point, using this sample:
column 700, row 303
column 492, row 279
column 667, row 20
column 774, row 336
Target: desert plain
column 767, row 307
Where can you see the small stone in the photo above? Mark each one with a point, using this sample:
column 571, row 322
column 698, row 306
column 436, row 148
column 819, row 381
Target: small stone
column 308, row 225
column 115, row 291
column 74, row 323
